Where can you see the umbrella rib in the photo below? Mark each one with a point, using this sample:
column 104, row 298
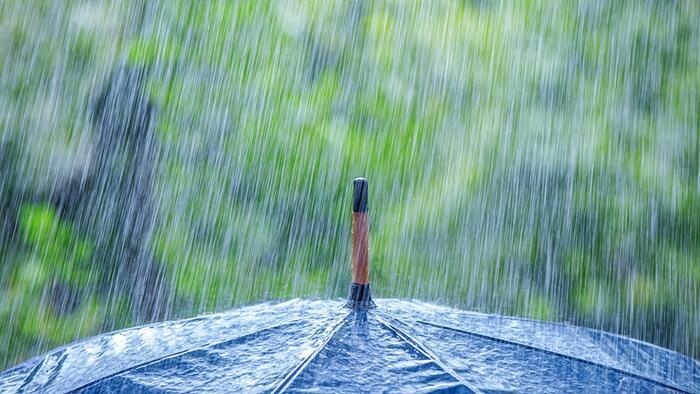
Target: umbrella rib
column 180, row 353
column 551, row 352
column 294, row 373
column 422, row 349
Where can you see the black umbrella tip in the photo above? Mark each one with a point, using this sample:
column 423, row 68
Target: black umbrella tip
column 359, row 201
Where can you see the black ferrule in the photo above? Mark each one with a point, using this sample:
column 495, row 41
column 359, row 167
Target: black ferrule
column 360, row 297
column 359, row 200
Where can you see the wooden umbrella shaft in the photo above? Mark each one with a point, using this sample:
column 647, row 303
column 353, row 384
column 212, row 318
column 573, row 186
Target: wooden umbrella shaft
column 360, row 248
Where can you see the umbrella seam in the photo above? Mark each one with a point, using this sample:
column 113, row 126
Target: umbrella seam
column 422, row 349
column 551, row 352
column 294, row 373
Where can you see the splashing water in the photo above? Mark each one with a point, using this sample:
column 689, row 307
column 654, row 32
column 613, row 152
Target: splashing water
column 162, row 159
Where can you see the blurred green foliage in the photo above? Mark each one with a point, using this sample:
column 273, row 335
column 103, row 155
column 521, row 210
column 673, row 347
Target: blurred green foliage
column 534, row 158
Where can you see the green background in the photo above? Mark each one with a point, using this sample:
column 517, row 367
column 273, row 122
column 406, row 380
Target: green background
column 533, row 158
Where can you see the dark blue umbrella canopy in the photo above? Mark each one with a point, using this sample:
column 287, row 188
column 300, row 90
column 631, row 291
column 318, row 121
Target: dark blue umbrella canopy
column 320, row 346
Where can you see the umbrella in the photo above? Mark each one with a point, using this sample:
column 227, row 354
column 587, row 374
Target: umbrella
column 361, row 344
column 314, row 345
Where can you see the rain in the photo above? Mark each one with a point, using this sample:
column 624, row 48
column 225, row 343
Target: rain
column 165, row 159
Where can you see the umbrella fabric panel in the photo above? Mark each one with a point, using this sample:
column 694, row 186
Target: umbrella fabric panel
column 83, row 362
column 614, row 351
column 252, row 362
column 493, row 365
column 366, row 356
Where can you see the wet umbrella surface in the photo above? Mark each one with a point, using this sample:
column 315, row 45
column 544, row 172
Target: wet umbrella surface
column 320, row 346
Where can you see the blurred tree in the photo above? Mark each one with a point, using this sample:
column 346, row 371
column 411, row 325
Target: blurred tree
column 111, row 201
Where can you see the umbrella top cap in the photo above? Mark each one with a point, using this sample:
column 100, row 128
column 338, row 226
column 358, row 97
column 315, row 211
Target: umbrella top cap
column 359, row 201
